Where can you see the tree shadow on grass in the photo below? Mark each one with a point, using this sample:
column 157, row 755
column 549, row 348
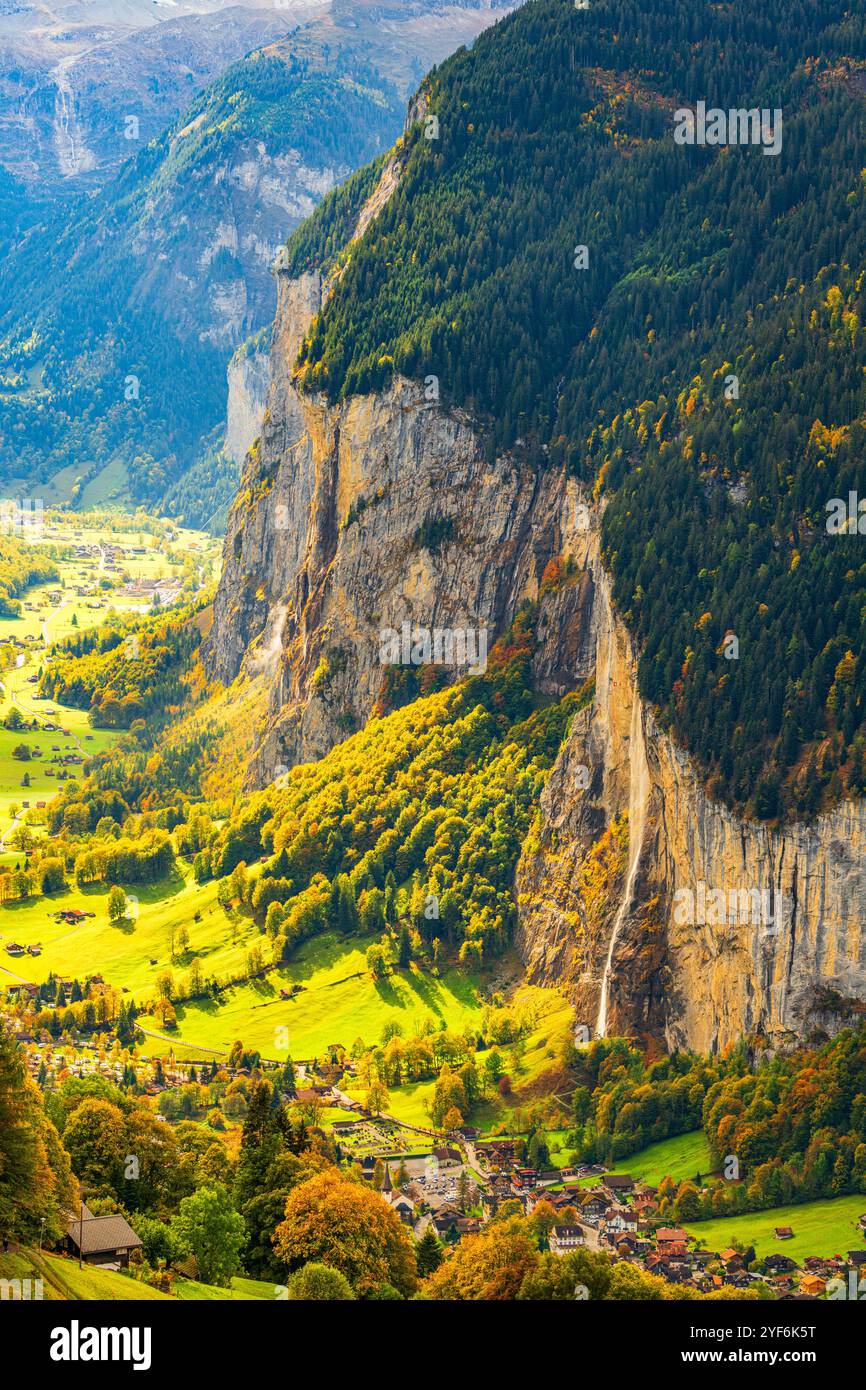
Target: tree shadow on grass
column 427, row 991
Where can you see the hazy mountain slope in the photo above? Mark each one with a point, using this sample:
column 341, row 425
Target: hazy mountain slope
column 119, row 317
column 69, row 79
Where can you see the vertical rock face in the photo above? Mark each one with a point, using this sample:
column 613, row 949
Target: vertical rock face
column 248, row 381
column 772, row 944
column 323, row 550
column 331, row 541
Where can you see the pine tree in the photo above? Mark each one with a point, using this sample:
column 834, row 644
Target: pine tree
column 428, row 1253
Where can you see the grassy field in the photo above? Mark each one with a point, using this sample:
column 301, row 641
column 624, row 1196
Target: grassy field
column 63, row 1280
column 820, row 1228
column 680, row 1158
column 123, row 953
column 684, row 1156
column 406, row 1103
column 339, row 1002
column 555, row 1018
column 241, row 1291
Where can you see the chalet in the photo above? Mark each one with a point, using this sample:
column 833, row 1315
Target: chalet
column 344, row 1127
column 857, row 1258
column 565, row 1198
column 21, row 988
column 784, row 1233
column 445, row 1220
column 404, row 1207
column 446, row 1158
column 821, row 1264
column 525, row 1178
column 780, row 1283
column 620, row 1218
column 674, row 1273
column 467, row 1225
column 564, row 1239
column 671, row 1240
column 594, row 1208
column 813, row 1284
column 638, row 1248
column 14, row 949
column 618, row 1182
column 732, row 1259
column 101, row 1240
column 499, row 1153
column 489, row 1204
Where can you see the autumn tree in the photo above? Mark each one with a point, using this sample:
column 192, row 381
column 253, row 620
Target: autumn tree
column 116, row 904
column 347, row 1226
column 35, row 1175
column 490, row 1266
column 95, row 1138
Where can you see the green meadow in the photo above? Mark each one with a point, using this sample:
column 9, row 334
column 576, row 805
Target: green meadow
column 339, row 1001
column 820, row 1228
column 75, row 602
column 62, row 1279
column 132, row 953
column 681, row 1158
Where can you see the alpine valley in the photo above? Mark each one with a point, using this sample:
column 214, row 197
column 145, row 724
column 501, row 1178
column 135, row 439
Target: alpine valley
column 432, row 767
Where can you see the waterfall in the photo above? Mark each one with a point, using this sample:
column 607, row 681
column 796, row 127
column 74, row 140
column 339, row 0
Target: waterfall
column 637, row 806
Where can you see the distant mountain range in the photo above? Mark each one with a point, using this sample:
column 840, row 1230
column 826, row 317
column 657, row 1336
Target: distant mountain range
column 126, row 291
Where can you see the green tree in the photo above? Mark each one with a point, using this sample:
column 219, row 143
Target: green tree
column 428, row 1253
column 210, row 1228
column 318, row 1283
column 116, row 904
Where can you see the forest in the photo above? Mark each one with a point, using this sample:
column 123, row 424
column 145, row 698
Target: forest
column 124, row 671
column 424, row 811
column 20, row 567
column 794, row 1123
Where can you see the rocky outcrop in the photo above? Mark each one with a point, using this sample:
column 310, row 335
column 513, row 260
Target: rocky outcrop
column 248, row 378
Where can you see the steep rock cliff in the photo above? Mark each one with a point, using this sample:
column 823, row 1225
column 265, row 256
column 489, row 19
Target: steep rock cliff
column 781, row 954
column 323, row 552
column 248, row 378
